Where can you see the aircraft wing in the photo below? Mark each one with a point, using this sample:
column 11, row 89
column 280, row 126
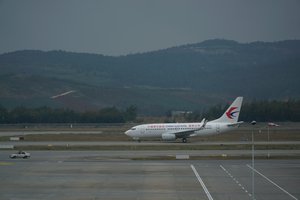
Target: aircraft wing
column 184, row 134
column 187, row 133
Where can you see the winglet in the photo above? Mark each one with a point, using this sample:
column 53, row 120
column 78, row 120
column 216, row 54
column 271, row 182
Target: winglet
column 204, row 121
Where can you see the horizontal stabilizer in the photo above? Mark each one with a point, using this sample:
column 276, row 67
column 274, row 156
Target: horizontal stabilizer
column 235, row 124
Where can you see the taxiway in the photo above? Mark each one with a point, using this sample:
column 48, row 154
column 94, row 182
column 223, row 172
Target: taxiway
column 90, row 175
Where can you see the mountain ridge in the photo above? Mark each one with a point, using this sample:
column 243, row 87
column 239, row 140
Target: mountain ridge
column 186, row 77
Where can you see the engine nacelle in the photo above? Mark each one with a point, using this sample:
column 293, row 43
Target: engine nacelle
column 168, row 137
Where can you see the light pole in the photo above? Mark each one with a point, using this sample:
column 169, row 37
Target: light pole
column 268, row 140
column 270, row 125
column 253, row 123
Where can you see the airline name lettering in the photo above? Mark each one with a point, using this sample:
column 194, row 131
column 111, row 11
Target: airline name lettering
column 174, row 126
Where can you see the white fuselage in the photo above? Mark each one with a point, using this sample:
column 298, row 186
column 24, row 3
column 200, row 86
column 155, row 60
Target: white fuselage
column 172, row 131
column 157, row 130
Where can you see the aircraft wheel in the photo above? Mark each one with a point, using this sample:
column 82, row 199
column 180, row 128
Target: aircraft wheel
column 184, row 140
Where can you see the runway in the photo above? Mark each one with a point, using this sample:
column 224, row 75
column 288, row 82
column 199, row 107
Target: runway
column 156, row 155
column 144, row 143
column 101, row 175
column 41, row 132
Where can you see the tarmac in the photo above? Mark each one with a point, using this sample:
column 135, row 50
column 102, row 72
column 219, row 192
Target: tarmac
column 144, row 143
column 103, row 175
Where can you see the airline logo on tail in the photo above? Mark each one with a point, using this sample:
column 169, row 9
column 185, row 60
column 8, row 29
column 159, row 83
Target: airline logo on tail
column 231, row 112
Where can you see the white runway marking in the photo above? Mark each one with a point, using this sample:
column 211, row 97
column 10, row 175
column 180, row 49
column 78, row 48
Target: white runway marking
column 202, row 183
column 273, row 183
column 236, row 181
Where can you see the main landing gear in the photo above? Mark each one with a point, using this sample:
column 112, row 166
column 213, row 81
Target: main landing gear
column 184, row 140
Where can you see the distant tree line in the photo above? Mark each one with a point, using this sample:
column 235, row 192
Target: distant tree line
column 263, row 111
column 61, row 115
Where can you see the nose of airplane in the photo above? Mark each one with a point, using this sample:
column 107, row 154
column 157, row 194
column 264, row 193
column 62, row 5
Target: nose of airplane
column 127, row 132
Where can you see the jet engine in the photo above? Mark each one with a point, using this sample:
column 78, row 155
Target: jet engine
column 168, row 137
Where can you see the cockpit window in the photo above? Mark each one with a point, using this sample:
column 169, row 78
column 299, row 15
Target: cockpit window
column 133, row 129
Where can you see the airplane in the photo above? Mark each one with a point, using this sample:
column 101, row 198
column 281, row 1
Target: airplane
column 171, row 131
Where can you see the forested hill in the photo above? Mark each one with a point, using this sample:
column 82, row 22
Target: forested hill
column 188, row 77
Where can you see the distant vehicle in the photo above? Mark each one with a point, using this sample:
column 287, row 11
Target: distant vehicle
column 171, row 131
column 20, row 154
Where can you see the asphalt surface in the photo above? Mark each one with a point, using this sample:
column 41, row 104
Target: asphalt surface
column 39, row 132
column 152, row 143
column 157, row 154
column 102, row 175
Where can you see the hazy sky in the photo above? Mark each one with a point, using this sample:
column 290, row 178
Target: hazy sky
column 118, row 27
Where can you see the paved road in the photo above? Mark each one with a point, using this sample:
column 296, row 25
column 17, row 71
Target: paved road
column 84, row 175
column 38, row 132
column 154, row 143
column 149, row 154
